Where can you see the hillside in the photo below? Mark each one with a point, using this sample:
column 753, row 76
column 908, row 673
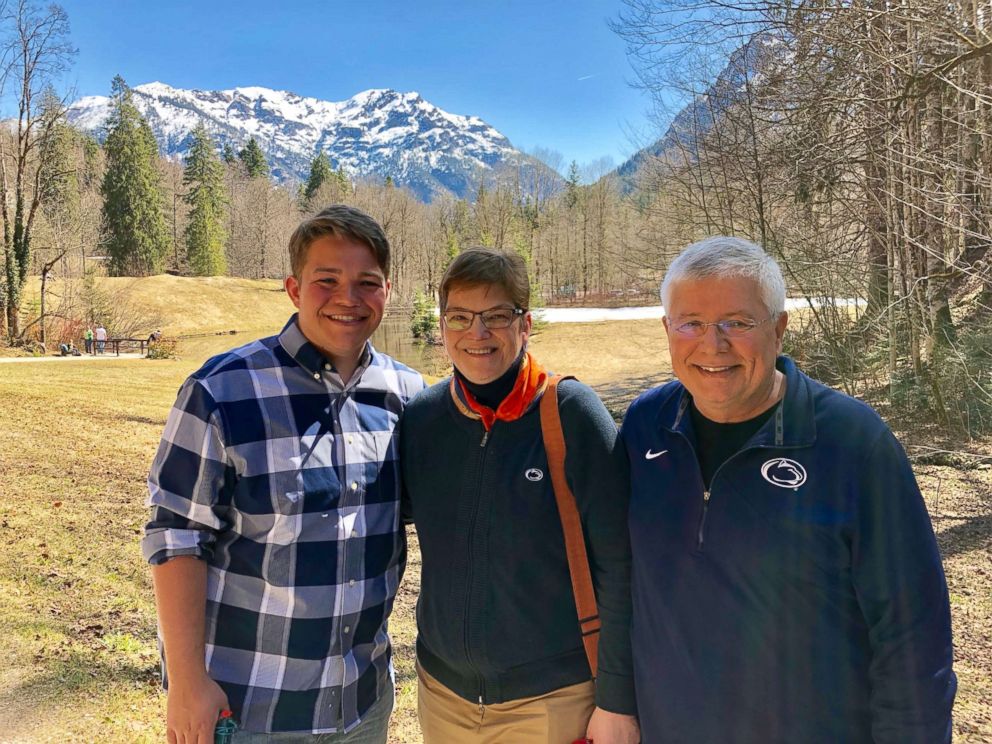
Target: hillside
column 187, row 305
column 697, row 117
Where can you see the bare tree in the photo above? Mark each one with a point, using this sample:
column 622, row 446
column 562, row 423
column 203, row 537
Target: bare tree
column 35, row 52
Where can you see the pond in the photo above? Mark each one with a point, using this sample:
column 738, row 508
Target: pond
column 393, row 337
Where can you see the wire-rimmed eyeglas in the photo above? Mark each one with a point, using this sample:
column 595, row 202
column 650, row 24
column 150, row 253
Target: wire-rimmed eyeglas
column 494, row 319
column 729, row 328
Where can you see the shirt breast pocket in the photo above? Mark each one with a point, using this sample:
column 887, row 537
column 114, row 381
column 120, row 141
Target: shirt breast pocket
column 306, row 486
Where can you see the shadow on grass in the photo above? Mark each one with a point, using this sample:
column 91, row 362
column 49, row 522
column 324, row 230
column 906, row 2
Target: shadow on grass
column 74, row 675
column 405, row 673
column 974, row 533
column 159, row 422
column 973, row 530
column 617, row 396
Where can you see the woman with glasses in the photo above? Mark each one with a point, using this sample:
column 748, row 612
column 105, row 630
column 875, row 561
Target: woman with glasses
column 499, row 651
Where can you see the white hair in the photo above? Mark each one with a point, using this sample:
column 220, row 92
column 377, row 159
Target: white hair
column 723, row 257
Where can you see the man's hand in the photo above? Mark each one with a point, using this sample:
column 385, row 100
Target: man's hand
column 195, row 700
column 612, row 728
column 192, row 710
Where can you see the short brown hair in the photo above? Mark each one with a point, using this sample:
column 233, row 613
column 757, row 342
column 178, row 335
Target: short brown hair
column 480, row 266
column 338, row 219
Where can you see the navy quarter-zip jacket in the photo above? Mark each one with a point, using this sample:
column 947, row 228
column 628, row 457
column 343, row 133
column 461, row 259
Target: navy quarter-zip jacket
column 801, row 599
column 496, row 617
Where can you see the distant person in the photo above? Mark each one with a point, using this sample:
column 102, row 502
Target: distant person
column 275, row 535
column 154, row 336
column 101, row 338
column 786, row 580
column 500, row 650
column 88, row 340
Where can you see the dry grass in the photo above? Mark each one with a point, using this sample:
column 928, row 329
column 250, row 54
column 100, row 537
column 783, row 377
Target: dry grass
column 197, row 304
column 77, row 632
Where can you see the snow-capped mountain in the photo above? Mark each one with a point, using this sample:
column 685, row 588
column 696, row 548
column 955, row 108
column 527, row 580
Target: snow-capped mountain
column 377, row 133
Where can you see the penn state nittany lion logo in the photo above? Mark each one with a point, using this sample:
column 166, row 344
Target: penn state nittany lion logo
column 783, row 472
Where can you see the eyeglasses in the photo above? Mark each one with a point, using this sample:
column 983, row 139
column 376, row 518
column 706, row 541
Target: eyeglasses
column 729, row 328
column 494, row 319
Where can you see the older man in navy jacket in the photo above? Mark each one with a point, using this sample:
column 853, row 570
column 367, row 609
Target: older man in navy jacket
column 786, row 581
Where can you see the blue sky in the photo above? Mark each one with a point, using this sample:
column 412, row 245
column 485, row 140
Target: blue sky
column 546, row 74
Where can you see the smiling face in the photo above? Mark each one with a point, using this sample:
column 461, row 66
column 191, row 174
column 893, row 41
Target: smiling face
column 341, row 294
column 730, row 379
column 480, row 353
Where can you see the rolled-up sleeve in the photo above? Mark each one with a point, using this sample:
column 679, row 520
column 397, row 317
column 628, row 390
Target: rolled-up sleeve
column 188, row 479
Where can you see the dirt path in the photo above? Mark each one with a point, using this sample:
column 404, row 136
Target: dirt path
column 83, row 358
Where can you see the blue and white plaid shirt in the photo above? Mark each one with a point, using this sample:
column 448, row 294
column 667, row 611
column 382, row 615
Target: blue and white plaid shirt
column 286, row 482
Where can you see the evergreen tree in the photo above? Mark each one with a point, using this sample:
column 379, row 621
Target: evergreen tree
column 91, row 160
column 342, row 180
column 253, row 160
column 204, row 179
column 227, row 154
column 572, row 186
column 320, row 172
column 423, row 319
column 133, row 223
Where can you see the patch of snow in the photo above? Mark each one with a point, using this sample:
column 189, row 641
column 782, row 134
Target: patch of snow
column 649, row 312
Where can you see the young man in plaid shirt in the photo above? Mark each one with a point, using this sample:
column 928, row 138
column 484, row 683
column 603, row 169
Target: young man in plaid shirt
column 275, row 539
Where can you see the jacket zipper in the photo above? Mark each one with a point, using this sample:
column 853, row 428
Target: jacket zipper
column 702, row 519
column 707, row 494
column 468, row 588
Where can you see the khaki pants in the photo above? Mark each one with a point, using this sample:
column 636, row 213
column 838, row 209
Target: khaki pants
column 557, row 717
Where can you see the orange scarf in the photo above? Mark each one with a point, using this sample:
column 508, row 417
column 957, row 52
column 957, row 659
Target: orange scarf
column 532, row 379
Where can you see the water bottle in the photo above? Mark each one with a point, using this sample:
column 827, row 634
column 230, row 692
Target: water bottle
column 225, row 729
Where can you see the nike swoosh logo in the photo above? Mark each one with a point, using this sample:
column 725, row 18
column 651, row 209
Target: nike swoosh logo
column 649, row 455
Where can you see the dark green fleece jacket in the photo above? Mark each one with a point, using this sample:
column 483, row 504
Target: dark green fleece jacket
column 496, row 616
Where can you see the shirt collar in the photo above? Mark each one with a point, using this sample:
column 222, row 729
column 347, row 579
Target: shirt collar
column 309, row 357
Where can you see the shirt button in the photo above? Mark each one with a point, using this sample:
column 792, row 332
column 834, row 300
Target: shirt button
column 351, row 582
column 347, row 628
column 324, row 516
column 316, row 375
column 327, row 367
column 354, row 485
column 350, row 440
column 354, row 533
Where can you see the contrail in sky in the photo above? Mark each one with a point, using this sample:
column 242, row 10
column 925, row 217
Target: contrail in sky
column 586, row 77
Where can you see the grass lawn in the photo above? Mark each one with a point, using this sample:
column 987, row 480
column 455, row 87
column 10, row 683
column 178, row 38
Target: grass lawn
column 78, row 660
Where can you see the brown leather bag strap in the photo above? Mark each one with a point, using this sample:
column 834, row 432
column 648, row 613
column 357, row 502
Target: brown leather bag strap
column 571, row 524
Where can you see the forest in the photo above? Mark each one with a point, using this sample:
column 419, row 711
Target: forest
column 852, row 140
